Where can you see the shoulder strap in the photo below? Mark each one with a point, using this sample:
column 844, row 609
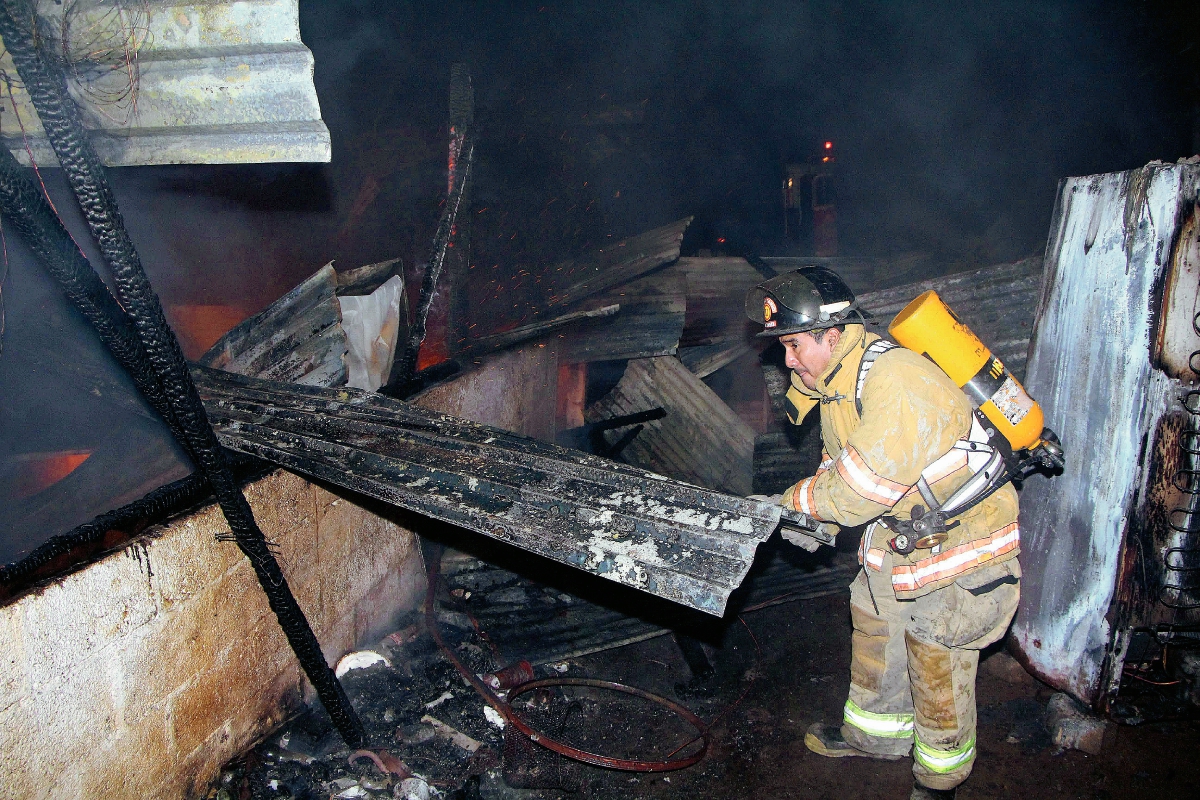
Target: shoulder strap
column 877, row 348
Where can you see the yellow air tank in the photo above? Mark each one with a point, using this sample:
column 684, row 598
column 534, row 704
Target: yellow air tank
column 928, row 326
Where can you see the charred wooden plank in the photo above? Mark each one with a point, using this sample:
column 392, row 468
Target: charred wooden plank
column 499, row 341
column 616, row 264
column 676, row 541
column 650, row 323
column 298, row 338
column 701, row 439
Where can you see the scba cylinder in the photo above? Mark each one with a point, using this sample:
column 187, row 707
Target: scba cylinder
column 928, row 326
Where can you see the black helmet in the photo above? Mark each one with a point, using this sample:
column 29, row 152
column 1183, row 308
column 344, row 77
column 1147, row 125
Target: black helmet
column 804, row 300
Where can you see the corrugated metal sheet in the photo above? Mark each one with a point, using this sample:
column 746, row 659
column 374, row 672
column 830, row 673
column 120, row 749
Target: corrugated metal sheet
column 1090, row 368
column 676, row 541
column 619, row 263
column 648, row 324
column 701, row 440
column 200, row 82
column 703, row 360
column 998, row 303
column 716, row 288
column 298, row 338
column 541, row 624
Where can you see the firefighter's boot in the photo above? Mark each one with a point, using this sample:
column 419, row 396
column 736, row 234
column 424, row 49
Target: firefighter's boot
column 826, row 740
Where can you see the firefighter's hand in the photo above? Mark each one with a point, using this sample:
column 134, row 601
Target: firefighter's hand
column 803, row 540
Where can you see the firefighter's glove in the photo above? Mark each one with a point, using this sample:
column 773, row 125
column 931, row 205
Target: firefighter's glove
column 803, row 539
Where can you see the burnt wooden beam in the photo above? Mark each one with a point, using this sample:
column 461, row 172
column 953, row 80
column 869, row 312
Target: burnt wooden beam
column 499, row 341
column 703, row 360
column 668, row 538
column 619, row 263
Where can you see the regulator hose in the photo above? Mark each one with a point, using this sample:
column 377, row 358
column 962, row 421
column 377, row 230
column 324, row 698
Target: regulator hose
column 45, row 82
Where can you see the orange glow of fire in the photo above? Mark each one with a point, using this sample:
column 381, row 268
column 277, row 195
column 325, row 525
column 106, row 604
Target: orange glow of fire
column 829, row 145
column 43, row 470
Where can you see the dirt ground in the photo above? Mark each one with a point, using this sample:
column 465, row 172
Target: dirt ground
column 778, row 669
column 802, row 677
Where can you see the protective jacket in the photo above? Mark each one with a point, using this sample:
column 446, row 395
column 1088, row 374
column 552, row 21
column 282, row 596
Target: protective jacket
column 914, row 421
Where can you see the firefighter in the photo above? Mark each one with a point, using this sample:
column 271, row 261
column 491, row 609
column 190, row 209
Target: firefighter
column 898, row 434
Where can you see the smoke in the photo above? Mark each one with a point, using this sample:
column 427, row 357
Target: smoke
column 952, row 124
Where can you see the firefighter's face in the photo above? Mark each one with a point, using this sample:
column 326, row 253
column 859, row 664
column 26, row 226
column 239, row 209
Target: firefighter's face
column 808, row 356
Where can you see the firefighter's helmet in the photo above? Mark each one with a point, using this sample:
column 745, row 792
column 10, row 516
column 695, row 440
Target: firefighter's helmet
column 807, row 299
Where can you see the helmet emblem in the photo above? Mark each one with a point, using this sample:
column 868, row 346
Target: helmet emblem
column 769, row 310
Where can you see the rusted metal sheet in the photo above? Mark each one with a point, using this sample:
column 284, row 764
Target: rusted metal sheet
column 619, row 263
column 650, row 323
column 173, row 82
column 1090, row 368
column 298, row 338
column 997, row 303
column 676, row 541
column 716, row 288
column 701, row 440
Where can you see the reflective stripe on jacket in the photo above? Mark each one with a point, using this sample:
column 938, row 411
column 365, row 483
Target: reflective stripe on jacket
column 914, row 422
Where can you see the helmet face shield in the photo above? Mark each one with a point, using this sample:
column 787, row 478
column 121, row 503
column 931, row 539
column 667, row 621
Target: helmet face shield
column 806, row 299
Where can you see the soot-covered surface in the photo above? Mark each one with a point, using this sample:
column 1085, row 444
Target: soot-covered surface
column 777, row 671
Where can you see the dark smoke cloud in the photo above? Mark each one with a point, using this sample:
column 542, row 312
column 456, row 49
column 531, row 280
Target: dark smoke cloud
column 952, row 123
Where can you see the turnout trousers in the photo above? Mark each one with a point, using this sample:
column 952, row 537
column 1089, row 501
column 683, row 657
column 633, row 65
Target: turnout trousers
column 913, row 663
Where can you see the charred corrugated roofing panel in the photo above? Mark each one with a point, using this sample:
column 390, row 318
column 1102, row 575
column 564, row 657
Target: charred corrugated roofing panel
column 996, row 302
column 701, row 439
column 615, row 264
column 168, row 82
column 677, row 541
column 649, row 322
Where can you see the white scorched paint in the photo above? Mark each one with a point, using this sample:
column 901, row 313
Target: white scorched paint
column 1090, row 369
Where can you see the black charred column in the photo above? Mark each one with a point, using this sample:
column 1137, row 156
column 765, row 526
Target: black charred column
column 458, row 254
column 47, row 88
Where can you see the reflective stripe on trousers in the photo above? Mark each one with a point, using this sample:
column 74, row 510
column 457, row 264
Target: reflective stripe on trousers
column 944, row 761
column 887, row 726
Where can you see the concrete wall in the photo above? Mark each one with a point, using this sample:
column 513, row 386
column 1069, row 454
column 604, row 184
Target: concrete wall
column 514, row 390
column 140, row 675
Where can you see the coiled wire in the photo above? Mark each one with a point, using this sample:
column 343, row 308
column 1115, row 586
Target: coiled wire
column 1182, row 562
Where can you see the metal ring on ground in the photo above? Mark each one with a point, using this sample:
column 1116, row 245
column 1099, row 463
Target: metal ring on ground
column 629, row 765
